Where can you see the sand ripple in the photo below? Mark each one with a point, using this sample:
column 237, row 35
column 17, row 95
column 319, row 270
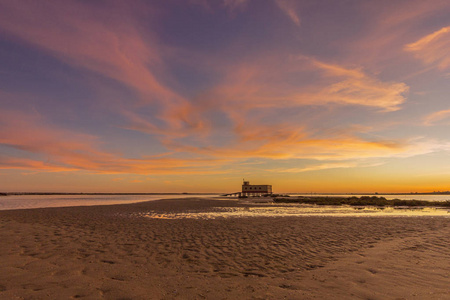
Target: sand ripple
column 105, row 252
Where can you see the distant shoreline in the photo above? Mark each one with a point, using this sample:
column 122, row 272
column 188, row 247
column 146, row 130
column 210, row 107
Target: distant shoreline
column 374, row 194
column 94, row 194
column 314, row 194
column 361, row 201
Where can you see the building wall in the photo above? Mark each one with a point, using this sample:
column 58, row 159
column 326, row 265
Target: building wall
column 263, row 189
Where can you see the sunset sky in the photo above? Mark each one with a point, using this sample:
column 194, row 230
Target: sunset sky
column 194, row 96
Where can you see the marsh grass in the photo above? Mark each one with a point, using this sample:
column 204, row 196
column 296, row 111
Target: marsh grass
column 361, row 201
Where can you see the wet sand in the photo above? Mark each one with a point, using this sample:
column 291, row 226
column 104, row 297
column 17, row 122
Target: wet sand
column 107, row 252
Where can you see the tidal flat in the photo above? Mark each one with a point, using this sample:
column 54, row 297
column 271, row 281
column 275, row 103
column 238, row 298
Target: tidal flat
column 117, row 252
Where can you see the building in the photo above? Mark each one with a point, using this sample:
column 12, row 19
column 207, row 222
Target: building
column 255, row 190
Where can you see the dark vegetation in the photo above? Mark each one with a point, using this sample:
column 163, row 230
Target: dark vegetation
column 361, row 201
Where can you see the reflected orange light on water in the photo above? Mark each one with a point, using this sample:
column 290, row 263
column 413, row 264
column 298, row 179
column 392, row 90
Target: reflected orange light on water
column 301, row 211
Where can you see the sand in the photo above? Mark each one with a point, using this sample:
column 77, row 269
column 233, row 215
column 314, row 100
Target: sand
column 106, row 252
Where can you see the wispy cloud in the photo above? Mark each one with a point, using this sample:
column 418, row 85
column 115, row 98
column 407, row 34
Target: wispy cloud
column 288, row 7
column 353, row 86
column 107, row 41
column 86, row 36
column 327, row 166
column 58, row 149
column 437, row 118
column 433, row 48
column 253, row 94
column 291, row 145
column 30, row 164
column 385, row 29
column 271, row 82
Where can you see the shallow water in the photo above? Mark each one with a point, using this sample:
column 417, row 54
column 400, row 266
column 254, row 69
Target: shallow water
column 300, row 210
column 42, row 201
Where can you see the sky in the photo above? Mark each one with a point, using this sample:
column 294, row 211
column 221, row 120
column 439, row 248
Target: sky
column 195, row 96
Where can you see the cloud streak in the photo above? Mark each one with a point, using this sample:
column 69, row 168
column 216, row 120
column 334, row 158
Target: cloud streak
column 291, row 145
column 326, row 166
column 110, row 42
column 288, row 7
column 85, row 36
column 270, row 82
column 438, row 117
column 432, row 49
column 56, row 150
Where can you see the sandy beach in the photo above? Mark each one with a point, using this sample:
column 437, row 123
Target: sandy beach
column 109, row 252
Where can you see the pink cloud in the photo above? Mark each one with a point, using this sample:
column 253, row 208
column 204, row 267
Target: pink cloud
column 386, row 29
column 288, row 7
column 86, row 36
column 290, row 143
column 109, row 42
column 30, row 164
column 344, row 151
column 432, row 49
column 270, row 82
column 253, row 92
column 57, row 149
column 437, row 117
column 62, row 150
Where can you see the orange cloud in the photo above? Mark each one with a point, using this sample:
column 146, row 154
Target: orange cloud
column 260, row 132
column 326, row 166
column 252, row 94
column 359, row 88
column 184, row 121
column 386, row 29
column 289, row 144
column 116, row 48
column 432, row 49
column 437, row 117
column 85, row 36
column 109, row 42
column 270, row 82
column 29, row 164
column 59, row 149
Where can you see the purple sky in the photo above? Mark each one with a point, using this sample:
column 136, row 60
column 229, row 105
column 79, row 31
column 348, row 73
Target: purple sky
column 162, row 96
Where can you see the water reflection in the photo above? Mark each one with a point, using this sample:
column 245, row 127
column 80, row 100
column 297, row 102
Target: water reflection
column 292, row 211
column 43, row 201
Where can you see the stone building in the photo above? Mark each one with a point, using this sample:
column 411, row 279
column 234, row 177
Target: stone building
column 255, row 190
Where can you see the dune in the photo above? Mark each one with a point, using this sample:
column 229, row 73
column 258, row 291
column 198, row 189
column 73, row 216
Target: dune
column 110, row 252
